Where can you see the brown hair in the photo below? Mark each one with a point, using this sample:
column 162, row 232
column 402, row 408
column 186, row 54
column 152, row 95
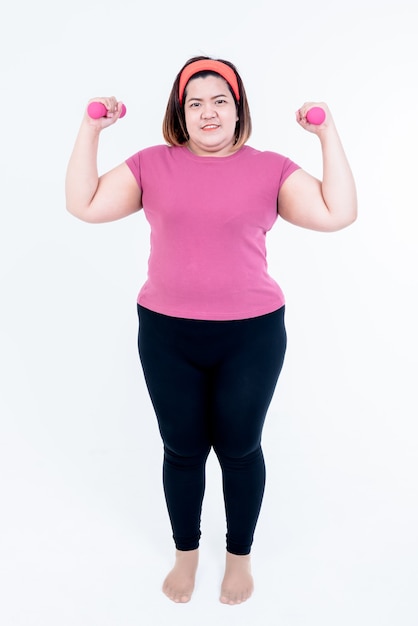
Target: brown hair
column 174, row 123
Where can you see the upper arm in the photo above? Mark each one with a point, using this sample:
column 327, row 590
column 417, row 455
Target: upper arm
column 301, row 202
column 118, row 195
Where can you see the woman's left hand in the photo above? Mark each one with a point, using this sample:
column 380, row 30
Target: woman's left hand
column 313, row 128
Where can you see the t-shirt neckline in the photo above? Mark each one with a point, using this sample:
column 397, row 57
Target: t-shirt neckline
column 212, row 159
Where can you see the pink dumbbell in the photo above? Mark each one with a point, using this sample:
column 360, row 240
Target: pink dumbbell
column 316, row 115
column 98, row 109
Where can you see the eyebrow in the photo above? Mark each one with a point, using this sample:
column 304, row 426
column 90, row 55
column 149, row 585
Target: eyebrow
column 221, row 95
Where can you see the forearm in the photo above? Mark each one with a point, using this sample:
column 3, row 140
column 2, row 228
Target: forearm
column 82, row 175
column 338, row 186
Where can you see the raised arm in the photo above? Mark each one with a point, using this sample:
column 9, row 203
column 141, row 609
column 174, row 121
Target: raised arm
column 327, row 205
column 92, row 198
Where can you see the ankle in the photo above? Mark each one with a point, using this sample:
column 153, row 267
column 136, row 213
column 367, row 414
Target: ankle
column 238, row 558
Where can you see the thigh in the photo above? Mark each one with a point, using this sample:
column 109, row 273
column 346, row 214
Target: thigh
column 178, row 388
column 245, row 382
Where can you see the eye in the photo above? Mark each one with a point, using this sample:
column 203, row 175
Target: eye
column 194, row 105
column 220, row 101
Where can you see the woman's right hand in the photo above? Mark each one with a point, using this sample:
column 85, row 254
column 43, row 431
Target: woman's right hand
column 114, row 110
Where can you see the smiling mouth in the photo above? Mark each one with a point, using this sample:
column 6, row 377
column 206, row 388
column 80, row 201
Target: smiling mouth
column 210, row 127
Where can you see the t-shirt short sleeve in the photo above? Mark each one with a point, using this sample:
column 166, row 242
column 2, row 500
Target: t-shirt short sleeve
column 289, row 167
column 134, row 164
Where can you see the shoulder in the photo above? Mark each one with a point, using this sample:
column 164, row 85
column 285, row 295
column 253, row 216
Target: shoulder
column 268, row 156
column 272, row 162
column 151, row 157
column 151, row 152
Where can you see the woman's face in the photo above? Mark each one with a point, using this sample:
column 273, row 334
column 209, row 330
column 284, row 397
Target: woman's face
column 211, row 116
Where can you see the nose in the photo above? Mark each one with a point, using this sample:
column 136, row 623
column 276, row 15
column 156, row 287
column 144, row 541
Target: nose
column 208, row 111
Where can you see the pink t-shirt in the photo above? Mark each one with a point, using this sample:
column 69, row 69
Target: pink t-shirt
column 209, row 217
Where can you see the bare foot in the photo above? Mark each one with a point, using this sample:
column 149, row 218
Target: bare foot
column 237, row 585
column 179, row 584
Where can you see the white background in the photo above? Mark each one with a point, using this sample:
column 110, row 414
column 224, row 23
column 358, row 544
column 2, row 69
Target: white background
column 84, row 534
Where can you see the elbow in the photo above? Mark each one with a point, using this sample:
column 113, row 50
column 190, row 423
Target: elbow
column 78, row 205
column 352, row 215
column 73, row 210
column 78, row 209
column 345, row 221
column 78, row 212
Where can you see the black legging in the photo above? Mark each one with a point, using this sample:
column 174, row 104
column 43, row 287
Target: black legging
column 211, row 384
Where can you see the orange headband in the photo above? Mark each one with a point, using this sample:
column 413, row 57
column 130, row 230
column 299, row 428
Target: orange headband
column 213, row 66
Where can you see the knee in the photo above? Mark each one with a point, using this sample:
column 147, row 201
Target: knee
column 239, row 457
column 184, row 458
